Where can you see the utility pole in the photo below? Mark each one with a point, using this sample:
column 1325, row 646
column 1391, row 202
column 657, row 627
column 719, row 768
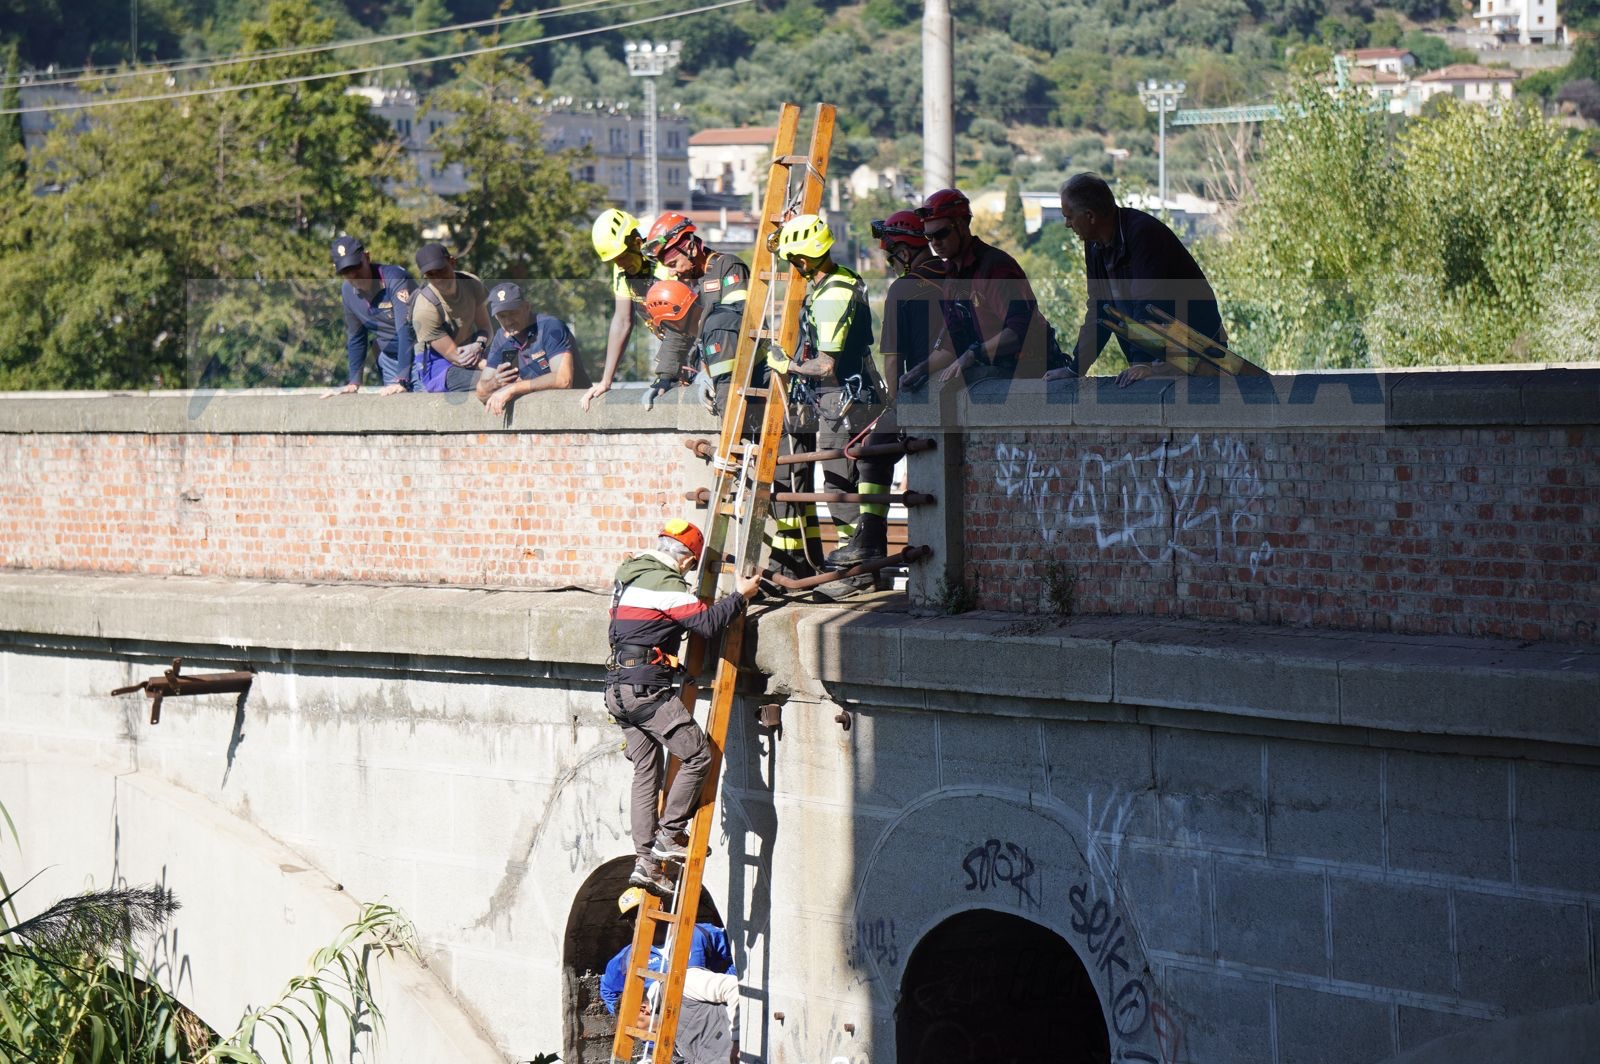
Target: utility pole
column 650, row 60
column 1161, row 99
column 938, row 97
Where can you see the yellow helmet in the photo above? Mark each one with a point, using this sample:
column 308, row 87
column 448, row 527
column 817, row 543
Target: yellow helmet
column 805, row 234
column 611, row 231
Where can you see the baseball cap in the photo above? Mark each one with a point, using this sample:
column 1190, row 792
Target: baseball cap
column 505, row 297
column 347, row 252
column 432, row 257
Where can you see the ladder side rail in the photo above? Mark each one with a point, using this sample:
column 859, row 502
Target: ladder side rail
column 725, row 687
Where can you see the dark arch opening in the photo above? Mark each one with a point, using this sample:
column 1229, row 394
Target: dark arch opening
column 595, row 933
column 986, row 987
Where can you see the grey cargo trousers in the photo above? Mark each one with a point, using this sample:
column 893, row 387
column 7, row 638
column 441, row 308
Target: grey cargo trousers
column 654, row 719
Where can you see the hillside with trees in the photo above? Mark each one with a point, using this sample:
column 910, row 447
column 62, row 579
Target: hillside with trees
column 159, row 236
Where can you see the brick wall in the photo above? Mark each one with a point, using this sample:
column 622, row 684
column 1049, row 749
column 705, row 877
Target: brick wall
column 538, row 509
column 1455, row 531
column 1464, row 504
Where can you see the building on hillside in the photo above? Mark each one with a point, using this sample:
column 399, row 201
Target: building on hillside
column 612, row 132
column 866, row 180
column 1468, row 82
column 1396, row 61
column 725, row 229
column 730, row 161
column 1390, row 90
column 1525, row 21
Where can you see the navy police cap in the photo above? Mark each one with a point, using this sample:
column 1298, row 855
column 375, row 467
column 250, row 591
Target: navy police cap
column 505, row 296
column 347, row 252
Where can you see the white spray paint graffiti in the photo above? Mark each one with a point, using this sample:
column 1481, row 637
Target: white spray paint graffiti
column 1152, row 502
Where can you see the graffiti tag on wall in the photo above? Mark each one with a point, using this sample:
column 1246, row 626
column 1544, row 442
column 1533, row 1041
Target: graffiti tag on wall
column 994, row 864
column 1202, row 500
column 1133, row 1007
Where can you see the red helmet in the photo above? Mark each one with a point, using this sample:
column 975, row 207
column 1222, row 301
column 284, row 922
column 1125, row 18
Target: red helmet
column 946, row 203
column 668, row 301
column 685, row 533
column 901, row 227
column 668, row 229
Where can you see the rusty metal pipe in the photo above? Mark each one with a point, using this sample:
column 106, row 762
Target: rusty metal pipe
column 708, row 450
column 702, row 497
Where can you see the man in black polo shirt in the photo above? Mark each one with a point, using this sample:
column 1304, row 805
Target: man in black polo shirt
column 1133, row 261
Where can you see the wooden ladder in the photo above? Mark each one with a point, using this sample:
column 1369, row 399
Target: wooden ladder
column 740, row 503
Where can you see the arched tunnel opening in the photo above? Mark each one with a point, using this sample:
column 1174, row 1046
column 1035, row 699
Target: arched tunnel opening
column 596, row 932
column 987, row 987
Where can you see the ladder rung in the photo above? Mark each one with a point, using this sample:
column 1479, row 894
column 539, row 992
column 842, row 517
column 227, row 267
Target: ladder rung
column 641, row 1033
column 759, row 393
column 649, row 973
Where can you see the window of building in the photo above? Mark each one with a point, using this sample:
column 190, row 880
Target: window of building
column 586, row 174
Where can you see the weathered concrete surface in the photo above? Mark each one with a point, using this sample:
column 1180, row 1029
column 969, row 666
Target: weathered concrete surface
column 253, row 911
column 1287, row 863
column 1556, row 1034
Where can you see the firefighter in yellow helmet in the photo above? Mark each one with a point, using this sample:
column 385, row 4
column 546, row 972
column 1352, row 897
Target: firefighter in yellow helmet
column 835, row 354
column 618, row 243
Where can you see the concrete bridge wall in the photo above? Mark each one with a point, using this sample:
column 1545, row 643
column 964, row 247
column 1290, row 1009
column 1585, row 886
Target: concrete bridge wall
column 1296, row 848
column 1254, row 842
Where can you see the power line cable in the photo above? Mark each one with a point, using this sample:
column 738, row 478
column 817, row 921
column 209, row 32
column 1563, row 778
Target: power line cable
column 205, row 62
column 353, row 71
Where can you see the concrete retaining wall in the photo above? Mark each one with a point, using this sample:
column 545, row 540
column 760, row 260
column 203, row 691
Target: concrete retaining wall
column 1314, row 846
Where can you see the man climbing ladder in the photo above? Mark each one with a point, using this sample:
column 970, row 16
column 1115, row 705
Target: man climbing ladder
column 651, row 609
column 740, row 504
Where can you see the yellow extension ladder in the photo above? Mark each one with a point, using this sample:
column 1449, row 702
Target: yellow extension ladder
column 739, row 506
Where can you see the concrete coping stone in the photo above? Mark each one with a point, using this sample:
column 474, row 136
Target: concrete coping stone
column 1539, row 394
column 1429, row 685
column 314, row 412
column 1533, row 394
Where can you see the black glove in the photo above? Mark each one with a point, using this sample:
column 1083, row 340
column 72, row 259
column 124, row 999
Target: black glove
column 660, row 387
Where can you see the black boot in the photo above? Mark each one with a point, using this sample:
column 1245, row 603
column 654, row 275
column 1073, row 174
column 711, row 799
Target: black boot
column 870, row 541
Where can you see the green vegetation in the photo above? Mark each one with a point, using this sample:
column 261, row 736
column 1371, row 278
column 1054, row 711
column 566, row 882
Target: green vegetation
column 76, row 989
column 184, row 242
column 1462, row 238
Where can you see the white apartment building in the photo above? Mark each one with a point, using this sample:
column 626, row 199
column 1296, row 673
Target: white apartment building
column 1466, row 81
column 612, row 131
column 1529, row 21
column 1395, row 61
column 731, row 161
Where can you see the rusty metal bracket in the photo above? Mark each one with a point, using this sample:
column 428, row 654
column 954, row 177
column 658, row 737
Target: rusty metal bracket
column 172, row 684
column 842, row 718
column 770, row 715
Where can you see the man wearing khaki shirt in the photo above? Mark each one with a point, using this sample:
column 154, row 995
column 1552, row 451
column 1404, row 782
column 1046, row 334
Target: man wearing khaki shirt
column 450, row 317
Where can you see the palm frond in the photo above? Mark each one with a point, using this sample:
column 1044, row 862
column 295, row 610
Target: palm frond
column 94, row 921
column 337, row 986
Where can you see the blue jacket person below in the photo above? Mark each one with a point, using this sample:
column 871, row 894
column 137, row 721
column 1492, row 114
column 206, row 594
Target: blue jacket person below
column 530, row 352
column 710, row 977
column 377, row 309
column 1133, row 261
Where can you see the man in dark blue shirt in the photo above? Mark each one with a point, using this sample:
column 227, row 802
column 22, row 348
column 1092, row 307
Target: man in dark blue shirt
column 377, row 308
column 1133, row 261
column 529, row 353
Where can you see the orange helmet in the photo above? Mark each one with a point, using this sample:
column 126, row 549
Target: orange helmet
column 668, row 301
column 667, row 231
column 686, row 533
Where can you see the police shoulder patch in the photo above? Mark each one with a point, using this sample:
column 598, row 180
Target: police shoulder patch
column 403, row 294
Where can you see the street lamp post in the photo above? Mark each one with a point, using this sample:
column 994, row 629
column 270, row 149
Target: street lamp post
column 650, row 60
column 1161, row 98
